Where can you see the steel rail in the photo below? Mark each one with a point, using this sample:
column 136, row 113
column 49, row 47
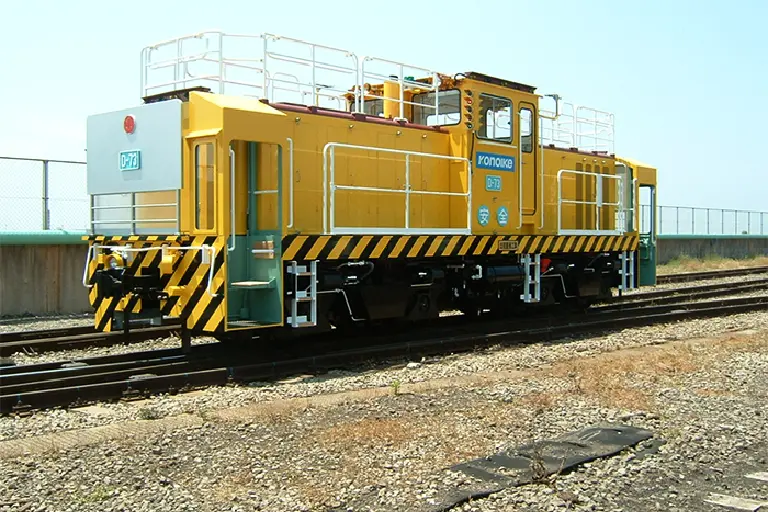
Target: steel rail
column 63, row 390
column 677, row 294
column 68, row 338
column 709, row 274
column 76, row 337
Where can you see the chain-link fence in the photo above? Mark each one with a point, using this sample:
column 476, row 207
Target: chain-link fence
column 51, row 194
column 691, row 220
column 42, row 194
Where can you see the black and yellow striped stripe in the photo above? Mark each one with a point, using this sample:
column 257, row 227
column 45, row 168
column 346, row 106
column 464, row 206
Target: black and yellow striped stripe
column 343, row 247
column 136, row 238
column 198, row 310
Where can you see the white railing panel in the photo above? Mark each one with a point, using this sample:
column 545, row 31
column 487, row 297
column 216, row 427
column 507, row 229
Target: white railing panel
column 127, row 214
column 405, row 77
column 576, row 126
column 281, row 69
column 265, row 66
column 598, row 203
column 330, row 187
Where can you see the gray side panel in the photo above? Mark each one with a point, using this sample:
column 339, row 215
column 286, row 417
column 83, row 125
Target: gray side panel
column 157, row 138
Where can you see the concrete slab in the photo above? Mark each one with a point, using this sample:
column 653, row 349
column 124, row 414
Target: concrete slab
column 735, row 503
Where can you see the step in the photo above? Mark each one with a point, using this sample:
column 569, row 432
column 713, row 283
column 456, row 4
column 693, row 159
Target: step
column 254, row 285
column 301, row 321
column 235, row 324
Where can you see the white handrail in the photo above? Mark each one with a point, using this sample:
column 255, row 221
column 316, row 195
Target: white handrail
column 581, row 127
column 542, row 117
column 330, row 184
column 232, row 197
column 542, row 178
column 636, row 197
column 260, row 67
column 519, row 168
column 290, row 182
column 98, row 213
column 598, row 203
column 88, row 258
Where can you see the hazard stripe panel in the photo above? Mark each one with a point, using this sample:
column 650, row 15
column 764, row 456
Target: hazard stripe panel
column 343, row 247
column 198, row 310
column 137, row 238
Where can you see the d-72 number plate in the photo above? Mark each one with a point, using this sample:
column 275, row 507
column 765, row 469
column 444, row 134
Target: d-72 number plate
column 130, row 160
column 508, row 245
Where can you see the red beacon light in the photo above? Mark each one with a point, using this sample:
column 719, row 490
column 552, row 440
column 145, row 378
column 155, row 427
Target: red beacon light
column 129, row 124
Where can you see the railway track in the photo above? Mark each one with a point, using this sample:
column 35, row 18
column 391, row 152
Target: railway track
column 68, row 338
column 710, row 274
column 699, row 292
column 126, row 376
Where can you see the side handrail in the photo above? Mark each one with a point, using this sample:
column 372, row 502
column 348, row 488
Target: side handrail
column 598, row 203
column 552, row 117
column 328, row 150
column 520, row 169
column 232, row 197
column 290, row 182
column 88, row 258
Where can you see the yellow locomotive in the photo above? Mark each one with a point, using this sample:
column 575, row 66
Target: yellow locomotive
column 271, row 183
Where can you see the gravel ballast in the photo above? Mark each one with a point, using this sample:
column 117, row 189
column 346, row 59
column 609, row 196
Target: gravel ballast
column 390, row 450
column 518, row 357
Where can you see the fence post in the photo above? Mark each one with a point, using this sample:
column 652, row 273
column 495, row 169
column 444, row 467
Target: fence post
column 693, row 220
column 708, row 221
column 661, row 223
column 46, row 211
column 722, row 221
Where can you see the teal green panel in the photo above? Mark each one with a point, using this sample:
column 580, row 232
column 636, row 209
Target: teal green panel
column 52, row 237
column 260, row 303
column 647, row 261
column 237, row 270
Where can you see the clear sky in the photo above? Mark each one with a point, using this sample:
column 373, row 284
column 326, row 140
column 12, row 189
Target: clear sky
column 686, row 79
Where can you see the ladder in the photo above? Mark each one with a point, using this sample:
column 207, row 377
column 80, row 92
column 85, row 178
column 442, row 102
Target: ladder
column 627, row 270
column 532, row 266
column 303, row 295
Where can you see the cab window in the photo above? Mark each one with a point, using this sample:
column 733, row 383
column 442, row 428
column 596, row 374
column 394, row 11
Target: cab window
column 204, row 185
column 526, row 130
column 494, row 118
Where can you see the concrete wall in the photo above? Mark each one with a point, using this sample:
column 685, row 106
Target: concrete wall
column 737, row 247
column 42, row 277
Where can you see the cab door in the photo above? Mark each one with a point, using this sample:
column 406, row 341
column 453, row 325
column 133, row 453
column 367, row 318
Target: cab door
column 527, row 155
column 496, row 162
